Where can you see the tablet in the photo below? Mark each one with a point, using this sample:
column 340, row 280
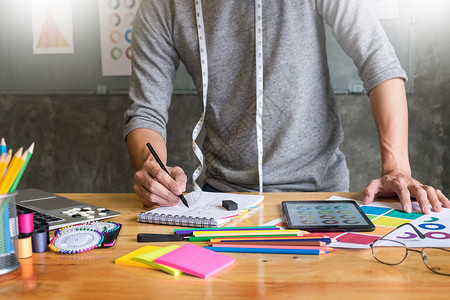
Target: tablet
column 341, row 215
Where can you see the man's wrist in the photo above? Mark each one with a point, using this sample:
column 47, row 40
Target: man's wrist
column 396, row 170
column 395, row 162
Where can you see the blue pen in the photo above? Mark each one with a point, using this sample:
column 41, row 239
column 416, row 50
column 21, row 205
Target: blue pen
column 267, row 250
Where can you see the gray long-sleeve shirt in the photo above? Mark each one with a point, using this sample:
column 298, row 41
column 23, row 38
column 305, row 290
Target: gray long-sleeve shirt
column 301, row 127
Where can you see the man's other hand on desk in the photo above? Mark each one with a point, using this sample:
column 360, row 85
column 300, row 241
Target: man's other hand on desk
column 154, row 186
column 395, row 183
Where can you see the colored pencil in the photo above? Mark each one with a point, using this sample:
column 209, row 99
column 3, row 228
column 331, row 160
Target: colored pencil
column 189, row 231
column 280, row 237
column 265, row 250
column 249, row 232
column 2, row 146
column 3, row 223
column 4, row 161
column 280, row 243
column 2, row 165
column 13, row 169
column 19, row 176
column 208, row 238
column 324, row 248
column 274, row 239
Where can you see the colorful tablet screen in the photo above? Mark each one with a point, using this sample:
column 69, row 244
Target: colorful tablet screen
column 326, row 216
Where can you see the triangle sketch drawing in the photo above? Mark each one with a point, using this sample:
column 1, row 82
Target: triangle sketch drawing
column 51, row 36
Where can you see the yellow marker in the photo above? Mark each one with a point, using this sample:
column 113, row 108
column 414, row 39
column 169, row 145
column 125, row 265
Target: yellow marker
column 4, row 161
column 13, row 169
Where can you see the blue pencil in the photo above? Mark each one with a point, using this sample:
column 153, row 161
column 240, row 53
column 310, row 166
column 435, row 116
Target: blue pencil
column 9, row 247
column 2, row 146
column 267, row 250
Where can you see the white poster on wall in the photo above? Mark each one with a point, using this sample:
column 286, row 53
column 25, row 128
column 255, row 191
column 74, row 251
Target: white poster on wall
column 52, row 28
column 116, row 22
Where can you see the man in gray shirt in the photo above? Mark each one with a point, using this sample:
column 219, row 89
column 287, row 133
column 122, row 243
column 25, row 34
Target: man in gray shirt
column 300, row 130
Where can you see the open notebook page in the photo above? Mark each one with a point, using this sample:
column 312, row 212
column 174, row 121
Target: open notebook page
column 209, row 205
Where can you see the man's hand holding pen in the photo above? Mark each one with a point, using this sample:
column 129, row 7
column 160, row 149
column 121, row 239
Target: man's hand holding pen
column 156, row 184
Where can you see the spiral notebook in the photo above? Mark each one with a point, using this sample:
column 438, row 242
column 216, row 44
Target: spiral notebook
column 205, row 210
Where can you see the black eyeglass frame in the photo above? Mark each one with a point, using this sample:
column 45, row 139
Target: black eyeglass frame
column 421, row 236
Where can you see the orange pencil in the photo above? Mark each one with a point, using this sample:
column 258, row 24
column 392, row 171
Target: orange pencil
column 13, row 169
column 273, row 243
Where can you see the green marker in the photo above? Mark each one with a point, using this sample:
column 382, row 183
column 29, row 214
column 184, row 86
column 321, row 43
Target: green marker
column 19, row 176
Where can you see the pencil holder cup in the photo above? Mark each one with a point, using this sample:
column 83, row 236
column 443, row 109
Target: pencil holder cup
column 9, row 259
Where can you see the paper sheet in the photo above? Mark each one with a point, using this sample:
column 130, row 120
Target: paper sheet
column 387, row 216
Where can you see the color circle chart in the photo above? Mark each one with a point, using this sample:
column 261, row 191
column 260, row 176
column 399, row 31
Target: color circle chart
column 116, row 21
column 387, row 216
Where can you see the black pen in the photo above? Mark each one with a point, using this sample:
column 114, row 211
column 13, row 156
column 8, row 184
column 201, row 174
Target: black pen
column 164, row 168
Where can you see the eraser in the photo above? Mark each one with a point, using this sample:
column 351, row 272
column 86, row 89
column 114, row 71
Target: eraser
column 229, row 205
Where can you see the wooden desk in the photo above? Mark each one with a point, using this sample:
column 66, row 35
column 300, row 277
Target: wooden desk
column 341, row 274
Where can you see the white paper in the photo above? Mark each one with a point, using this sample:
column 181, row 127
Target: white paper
column 435, row 226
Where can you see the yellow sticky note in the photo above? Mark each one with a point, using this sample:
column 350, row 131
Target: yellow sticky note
column 149, row 258
column 127, row 259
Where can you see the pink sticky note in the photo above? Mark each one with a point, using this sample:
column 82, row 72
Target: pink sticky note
column 196, row 260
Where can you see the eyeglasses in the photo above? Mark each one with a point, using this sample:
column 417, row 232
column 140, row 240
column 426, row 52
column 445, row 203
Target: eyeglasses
column 392, row 252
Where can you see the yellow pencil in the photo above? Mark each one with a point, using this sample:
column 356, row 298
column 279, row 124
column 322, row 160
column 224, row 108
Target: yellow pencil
column 2, row 165
column 4, row 161
column 13, row 169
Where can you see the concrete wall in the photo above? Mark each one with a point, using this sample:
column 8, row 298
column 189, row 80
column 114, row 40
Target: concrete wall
column 79, row 145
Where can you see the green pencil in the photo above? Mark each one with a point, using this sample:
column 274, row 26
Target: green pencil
column 19, row 176
column 207, row 238
column 224, row 228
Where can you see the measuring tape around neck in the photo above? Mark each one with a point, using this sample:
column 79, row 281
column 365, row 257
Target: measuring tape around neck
column 204, row 69
column 259, row 88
